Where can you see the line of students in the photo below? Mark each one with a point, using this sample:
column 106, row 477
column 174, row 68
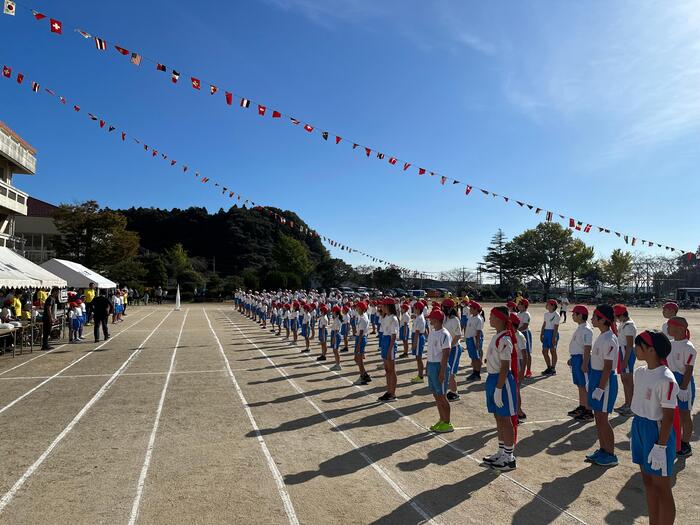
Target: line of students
column 657, row 393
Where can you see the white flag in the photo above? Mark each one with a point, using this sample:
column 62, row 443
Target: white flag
column 9, row 8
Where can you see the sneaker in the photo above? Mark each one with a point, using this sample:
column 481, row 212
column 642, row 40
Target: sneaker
column 528, row 374
column 360, row 381
column 547, row 371
column 417, row 379
column 335, row 368
column 475, row 376
column 624, row 411
column 685, row 451
column 590, row 458
column 523, row 416
column 606, row 460
column 321, row 358
column 403, row 355
column 367, row 378
column 444, row 427
column 451, row 396
column 344, row 349
column 306, row 350
column 504, row 464
column 576, row 411
column 586, row 415
column 387, row 397
column 435, row 426
column 97, row 340
column 493, row 457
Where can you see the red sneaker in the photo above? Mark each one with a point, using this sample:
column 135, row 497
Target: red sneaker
column 528, row 374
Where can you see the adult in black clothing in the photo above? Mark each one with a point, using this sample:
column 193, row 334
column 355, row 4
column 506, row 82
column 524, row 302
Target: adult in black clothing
column 49, row 318
column 101, row 308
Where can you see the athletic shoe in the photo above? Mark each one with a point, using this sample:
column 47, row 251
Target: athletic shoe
column 624, row 411
column 443, row 427
column 590, row 458
column 475, row 376
column 360, row 381
column 528, row 374
column 335, row 368
column 586, row 415
column 685, row 451
column 524, row 416
column 576, row 411
column 417, row 379
column 321, row 358
column 547, row 371
column 504, row 464
column 387, row 397
column 451, row 396
column 97, row 340
column 606, row 460
column 403, row 355
column 306, row 351
column 367, row 378
column 493, row 457
column 435, row 426
column 345, row 349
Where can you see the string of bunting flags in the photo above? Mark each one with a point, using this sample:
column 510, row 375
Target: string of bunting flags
column 263, row 110
column 155, row 152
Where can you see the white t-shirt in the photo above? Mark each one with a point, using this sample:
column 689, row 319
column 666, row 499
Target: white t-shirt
column 494, row 355
column 604, row 349
column 564, row 304
column 346, row 318
column 524, row 318
column 626, row 329
column 336, row 323
column 452, row 325
column 551, row 319
column 522, row 344
column 419, row 324
column 307, row 318
column 583, row 336
column 405, row 319
column 664, row 330
column 362, row 324
column 682, row 354
column 474, row 324
column 438, row 340
column 390, row 325
column 322, row 321
column 654, row 390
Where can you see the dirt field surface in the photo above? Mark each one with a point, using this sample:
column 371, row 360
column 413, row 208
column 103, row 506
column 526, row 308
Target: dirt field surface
column 201, row 416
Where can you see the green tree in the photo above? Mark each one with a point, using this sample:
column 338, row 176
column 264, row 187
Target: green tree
column 592, row 274
column 617, row 270
column 387, row 278
column 97, row 238
column 334, row 273
column 577, row 258
column 250, row 279
column 177, row 261
column 291, row 256
column 156, row 272
column 232, row 283
column 274, row 280
column 539, row 253
column 293, row 281
column 130, row 272
column 495, row 258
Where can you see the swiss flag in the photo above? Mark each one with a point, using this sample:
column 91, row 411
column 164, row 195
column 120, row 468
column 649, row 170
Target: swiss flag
column 56, row 26
column 392, row 160
column 308, row 128
column 196, row 84
column 261, row 110
column 6, row 72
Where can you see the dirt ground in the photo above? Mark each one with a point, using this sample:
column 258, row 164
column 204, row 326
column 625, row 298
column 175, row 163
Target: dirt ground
column 200, row 416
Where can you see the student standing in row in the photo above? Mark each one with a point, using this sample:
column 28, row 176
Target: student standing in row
column 549, row 336
column 627, row 331
column 405, row 328
column 474, row 338
column 418, row 341
column 524, row 327
column 682, row 362
column 452, row 325
column 390, row 332
column 439, row 347
column 579, row 361
column 362, row 329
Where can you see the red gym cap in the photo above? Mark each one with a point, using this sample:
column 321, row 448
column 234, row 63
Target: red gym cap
column 449, row 303
column 671, row 306
column 511, row 304
column 524, row 302
column 514, row 319
column 436, row 314
column 619, row 309
column 553, row 302
column 474, row 304
column 580, row 309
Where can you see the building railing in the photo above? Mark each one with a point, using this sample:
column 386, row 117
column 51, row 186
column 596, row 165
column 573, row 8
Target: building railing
column 13, row 199
column 17, row 153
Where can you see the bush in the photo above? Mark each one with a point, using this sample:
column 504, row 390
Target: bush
column 250, row 279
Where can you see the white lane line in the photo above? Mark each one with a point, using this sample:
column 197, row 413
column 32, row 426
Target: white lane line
column 372, row 463
column 152, row 439
column 454, row 447
column 281, row 487
column 73, row 363
column 48, row 352
column 548, row 392
column 125, row 374
column 10, row 494
column 542, row 422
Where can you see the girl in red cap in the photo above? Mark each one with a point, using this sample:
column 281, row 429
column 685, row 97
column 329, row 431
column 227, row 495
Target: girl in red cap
column 336, row 323
column 501, row 389
column 345, row 327
column 524, row 328
column 419, row 337
column 388, row 347
column 439, row 346
column 295, row 320
column 362, row 327
column 521, row 345
column 474, row 339
column 681, row 361
column 602, row 383
column 323, row 331
column 626, row 332
column 579, row 361
column 306, row 327
column 452, row 325
column 405, row 328
column 670, row 309
column 288, row 316
column 549, row 336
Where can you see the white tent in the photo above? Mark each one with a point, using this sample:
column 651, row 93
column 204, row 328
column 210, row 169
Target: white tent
column 77, row 275
column 16, row 271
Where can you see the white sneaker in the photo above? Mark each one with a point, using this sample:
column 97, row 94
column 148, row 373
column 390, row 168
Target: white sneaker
column 494, row 457
column 336, row 368
column 505, row 464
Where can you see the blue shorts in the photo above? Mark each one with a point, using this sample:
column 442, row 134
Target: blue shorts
column 463, row 321
column 453, row 359
column 313, row 323
column 344, row 329
column 75, row 324
column 322, row 334
column 379, row 339
column 360, row 344
column 352, row 322
column 508, row 392
column 472, row 350
column 386, row 352
column 273, row 318
column 404, row 333
column 528, row 341
column 630, row 364
column 643, row 436
column 287, row 324
column 294, row 325
column 305, row 330
column 607, row 402
column 434, row 384
column 548, row 339
column 335, row 340
column 577, row 374
column 418, row 351
column 263, row 316
column 278, row 321
column 686, row 405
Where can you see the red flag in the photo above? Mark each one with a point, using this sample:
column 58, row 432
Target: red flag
column 261, row 110
column 368, row 151
column 406, row 165
column 37, row 15
column 337, row 139
column 308, row 128
column 572, row 223
column 213, row 89
column 587, row 229
column 76, row 108
column 421, row 171
column 442, row 180
column 173, row 162
column 6, row 71
column 195, row 83
column 276, row 114
column 20, row 78
column 468, row 190
column 102, row 123
column 121, row 50
column 392, row 161
column 123, row 136
column 160, row 67
column 229, row 98
column 56, row 26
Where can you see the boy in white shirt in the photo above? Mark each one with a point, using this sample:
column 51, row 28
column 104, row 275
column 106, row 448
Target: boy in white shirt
column 681, row 361
column 549, row 336
column 405, row 328
column 579, row 360
column 418, row 340
column 439, row 345
column 626, row 331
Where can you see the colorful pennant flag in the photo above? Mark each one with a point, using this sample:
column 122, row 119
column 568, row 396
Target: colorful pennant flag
column 38, row 15
column 56, row 26
column 100, row 44
column 136, row 59
column 9, row 8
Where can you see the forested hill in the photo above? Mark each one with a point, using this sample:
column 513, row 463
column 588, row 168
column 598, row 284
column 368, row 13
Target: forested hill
column 239, row 238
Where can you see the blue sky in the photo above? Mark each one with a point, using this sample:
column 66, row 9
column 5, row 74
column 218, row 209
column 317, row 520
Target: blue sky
column 587, row 108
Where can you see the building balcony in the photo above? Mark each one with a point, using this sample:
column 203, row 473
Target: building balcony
column 12, row 201
column 17, row 151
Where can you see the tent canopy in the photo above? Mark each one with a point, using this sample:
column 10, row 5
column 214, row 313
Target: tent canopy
column 16, row 272
column 77, row 275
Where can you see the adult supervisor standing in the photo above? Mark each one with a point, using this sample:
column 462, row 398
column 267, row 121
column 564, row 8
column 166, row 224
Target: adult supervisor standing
column 49, row 317
column 101, row 308
column 89, row 297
